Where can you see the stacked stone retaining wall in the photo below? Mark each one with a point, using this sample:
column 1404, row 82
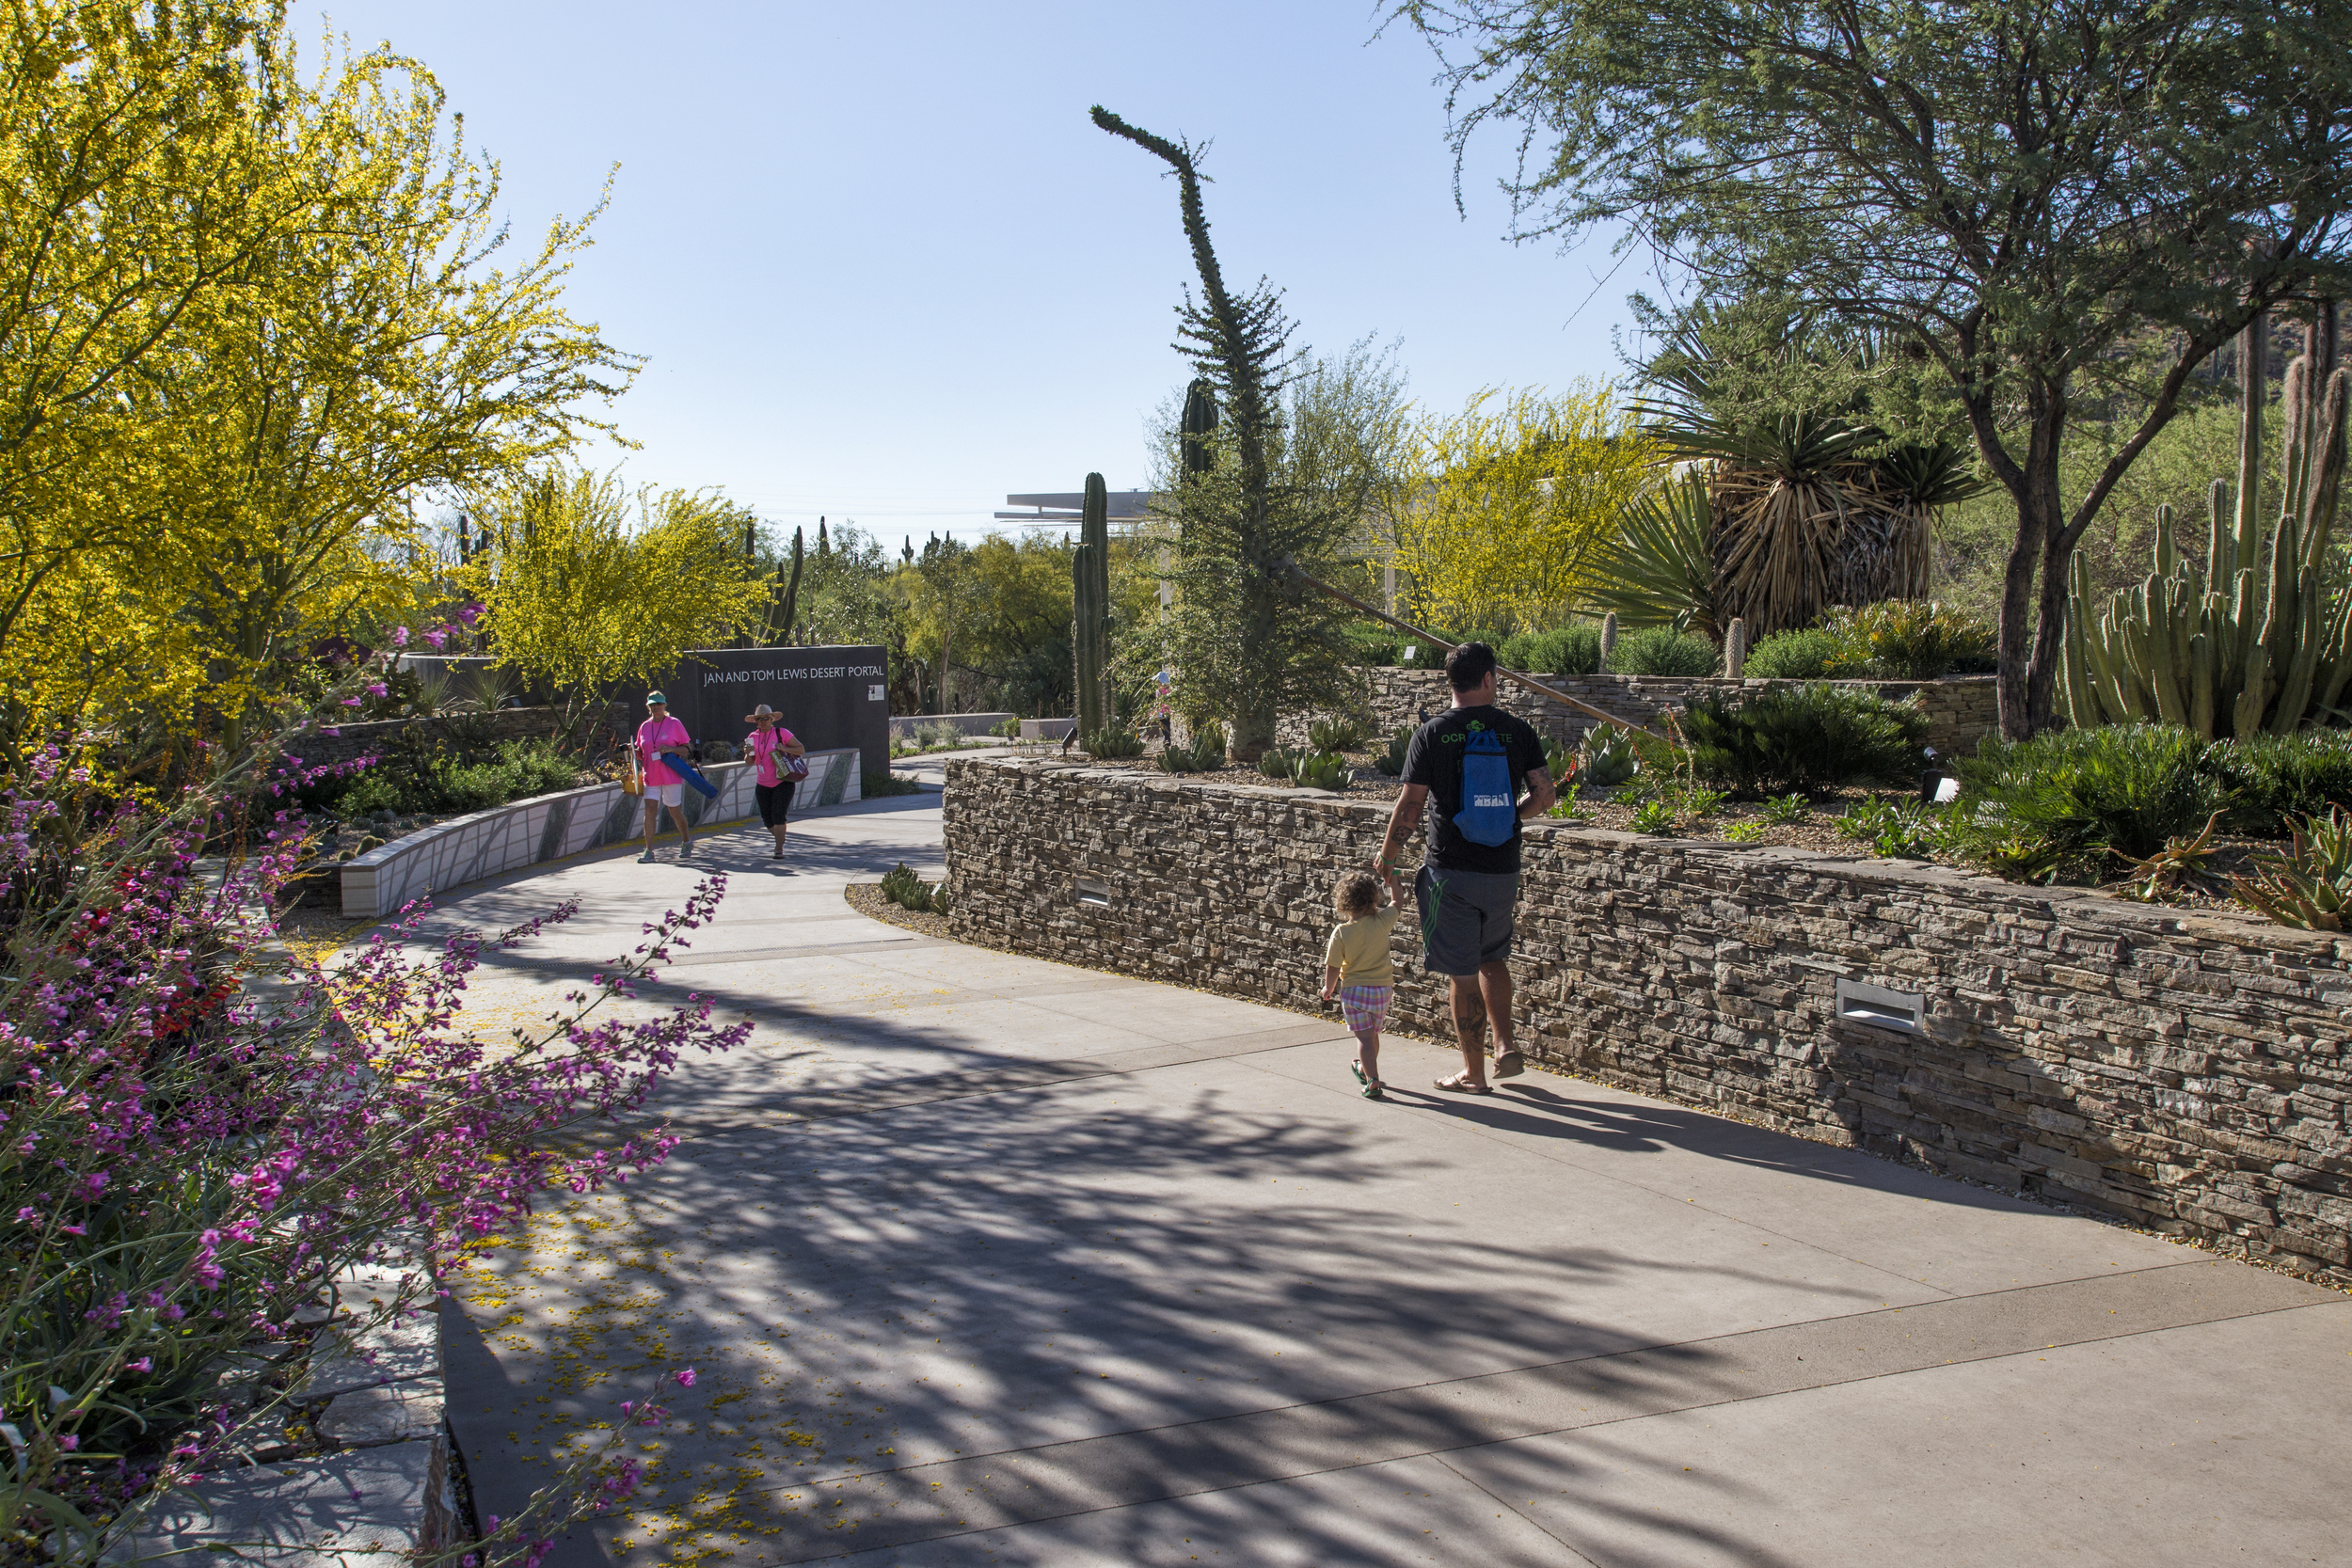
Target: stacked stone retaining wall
column 1961, row 711
column 2183, row 1071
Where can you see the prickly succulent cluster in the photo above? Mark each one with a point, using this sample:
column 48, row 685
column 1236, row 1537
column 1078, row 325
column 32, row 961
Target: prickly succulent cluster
column 2258, row 636
column 2310, row 886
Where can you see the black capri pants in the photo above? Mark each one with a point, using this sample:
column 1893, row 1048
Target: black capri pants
column 775, row 799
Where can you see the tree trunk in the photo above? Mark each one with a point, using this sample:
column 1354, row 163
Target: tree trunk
column 2030, row 647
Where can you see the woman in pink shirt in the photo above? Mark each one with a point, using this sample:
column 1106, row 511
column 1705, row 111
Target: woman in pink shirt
column 771, row 746
column 661, row 737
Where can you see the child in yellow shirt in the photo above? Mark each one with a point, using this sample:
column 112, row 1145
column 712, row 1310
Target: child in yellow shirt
column 1356, row 969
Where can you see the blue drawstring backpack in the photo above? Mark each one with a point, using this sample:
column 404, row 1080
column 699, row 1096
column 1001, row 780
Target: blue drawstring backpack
column 1490, row 812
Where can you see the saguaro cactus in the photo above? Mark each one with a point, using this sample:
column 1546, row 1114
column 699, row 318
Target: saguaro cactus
column 1091, row 594
column 2249, row 639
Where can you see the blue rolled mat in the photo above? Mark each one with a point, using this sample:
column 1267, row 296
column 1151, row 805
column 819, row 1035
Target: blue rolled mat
column 684, row 769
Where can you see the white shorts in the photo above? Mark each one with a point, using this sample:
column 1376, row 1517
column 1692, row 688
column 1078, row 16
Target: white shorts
column 664, row 795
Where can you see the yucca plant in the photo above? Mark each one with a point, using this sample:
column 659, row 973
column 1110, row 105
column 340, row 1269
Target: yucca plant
column 1808, row 505
column 2309, row 887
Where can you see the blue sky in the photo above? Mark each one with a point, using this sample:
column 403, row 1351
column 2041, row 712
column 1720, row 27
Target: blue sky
column 882, row 267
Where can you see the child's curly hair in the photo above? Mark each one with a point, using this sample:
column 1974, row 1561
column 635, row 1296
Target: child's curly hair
column 1357, row 894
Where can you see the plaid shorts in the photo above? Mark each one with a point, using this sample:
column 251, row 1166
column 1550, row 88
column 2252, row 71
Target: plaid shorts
column 1364, row 1006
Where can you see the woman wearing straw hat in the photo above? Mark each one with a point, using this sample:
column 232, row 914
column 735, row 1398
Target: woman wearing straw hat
column 779, row 755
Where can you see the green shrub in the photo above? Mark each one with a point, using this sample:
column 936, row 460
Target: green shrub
column 1910, row 639
column 874, row 782
column 1745, row 832
column 1338, row 735
column 2309, row 887
column 1786, row 809
column 1277, row 762
column 1810, row 739
column 1392, row 761
column 2277, row 777
column 1906, row 830
column 2032, row 807
column 1653, row 817
column 1570, row 650
column 1661, row 650
column 1008, row 729
column 1810, row 654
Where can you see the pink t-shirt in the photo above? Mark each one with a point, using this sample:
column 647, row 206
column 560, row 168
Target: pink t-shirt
column 653, row 736
column 768, row 751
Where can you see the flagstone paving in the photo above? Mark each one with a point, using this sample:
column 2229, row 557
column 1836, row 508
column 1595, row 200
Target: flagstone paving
column 983, row 1260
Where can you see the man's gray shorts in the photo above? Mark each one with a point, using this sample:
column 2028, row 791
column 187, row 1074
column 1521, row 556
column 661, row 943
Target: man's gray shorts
column 1465, row 918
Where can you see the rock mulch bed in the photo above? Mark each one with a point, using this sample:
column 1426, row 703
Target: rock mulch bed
column 866, row 898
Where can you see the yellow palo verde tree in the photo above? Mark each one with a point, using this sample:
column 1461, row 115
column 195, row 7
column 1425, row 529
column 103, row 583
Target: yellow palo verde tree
column 249, row 319
column 586, row 584
column 1497, row 508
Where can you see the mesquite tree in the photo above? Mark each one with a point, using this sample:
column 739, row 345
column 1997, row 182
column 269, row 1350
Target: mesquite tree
column 2030, row 195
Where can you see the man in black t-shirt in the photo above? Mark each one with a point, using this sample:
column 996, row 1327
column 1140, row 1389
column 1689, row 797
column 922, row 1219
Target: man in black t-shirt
column 1465, row 888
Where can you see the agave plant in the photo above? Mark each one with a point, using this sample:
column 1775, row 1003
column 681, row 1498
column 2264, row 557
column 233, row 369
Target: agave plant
column 2310, row 886
column 1606, row 759
column 1319, row 770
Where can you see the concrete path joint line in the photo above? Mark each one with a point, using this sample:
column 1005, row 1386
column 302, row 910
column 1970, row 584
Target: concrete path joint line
column 1086, row 1475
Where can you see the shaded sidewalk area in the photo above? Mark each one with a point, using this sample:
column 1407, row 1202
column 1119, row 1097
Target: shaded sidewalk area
column 983, row 1260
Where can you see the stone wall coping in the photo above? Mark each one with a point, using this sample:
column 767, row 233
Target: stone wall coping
column 2243, row 931
column 565, row 822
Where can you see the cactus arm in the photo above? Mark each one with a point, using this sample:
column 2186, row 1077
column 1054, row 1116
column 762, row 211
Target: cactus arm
column 2220, row 542
column 2253, row 376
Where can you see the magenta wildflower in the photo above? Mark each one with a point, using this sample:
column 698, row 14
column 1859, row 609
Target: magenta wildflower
column 686, row 1377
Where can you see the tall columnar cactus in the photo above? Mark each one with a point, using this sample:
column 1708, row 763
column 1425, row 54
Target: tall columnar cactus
column 2259, row 636
column 1091, row 592
column 784, row 609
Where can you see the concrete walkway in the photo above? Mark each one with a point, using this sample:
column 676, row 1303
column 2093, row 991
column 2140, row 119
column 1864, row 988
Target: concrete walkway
column 982, row 1259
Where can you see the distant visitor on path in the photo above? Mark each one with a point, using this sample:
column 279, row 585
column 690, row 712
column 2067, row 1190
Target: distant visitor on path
column 1471, row 761
column 1356, row 969
column 778, row 756
column 660, row 739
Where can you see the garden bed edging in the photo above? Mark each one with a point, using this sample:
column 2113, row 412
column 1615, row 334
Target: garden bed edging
column 2185, row 1072
column 568, row 822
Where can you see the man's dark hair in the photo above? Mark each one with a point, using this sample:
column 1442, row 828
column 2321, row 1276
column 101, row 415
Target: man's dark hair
column 1469, row 664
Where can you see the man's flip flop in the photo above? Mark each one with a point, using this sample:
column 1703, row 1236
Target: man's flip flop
column 1510, row 1064
column 1460, row 1083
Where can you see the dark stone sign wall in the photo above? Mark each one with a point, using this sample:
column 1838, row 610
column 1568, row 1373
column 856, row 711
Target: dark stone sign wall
column 829, row 698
